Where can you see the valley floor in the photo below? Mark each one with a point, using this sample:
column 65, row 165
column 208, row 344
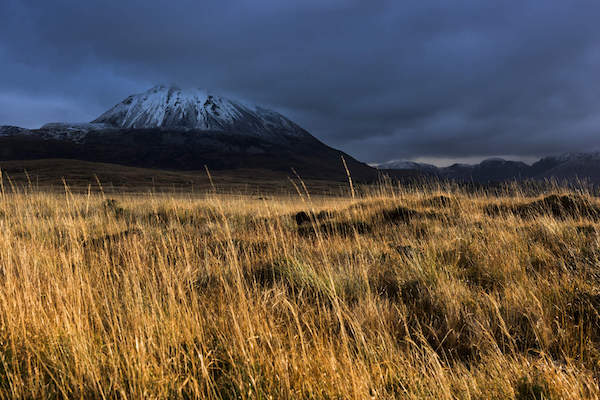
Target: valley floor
column 421, row 293
column 51, row 175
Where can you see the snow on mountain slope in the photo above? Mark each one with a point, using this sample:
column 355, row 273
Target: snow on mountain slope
column 170, row 107
column 411, row 165
column 8, row 130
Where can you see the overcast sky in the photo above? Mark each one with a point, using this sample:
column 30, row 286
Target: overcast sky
column 428, row 80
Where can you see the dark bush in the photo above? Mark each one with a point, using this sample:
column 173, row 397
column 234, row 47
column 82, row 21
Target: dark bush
column 528, row 390
column 112, row 207
column 335, row 228
column 557, row 206
column 111, row 238
column 399, row 215
column 439, row 201
column 386, row 284
column 302, row 218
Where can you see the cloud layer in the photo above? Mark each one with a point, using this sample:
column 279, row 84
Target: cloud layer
column 378, row 79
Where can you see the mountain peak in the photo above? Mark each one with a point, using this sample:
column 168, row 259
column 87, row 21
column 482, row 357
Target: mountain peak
column 162, row 86
column 170, row 107
column 406, row 165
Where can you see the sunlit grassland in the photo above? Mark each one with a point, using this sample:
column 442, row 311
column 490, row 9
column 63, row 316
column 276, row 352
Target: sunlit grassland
column 395, row 293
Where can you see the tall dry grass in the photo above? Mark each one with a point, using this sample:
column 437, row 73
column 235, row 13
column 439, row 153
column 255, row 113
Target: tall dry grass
column 420, row 293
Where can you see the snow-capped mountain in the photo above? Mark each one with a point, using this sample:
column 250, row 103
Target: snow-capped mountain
column 169, row 107
column 171, row 128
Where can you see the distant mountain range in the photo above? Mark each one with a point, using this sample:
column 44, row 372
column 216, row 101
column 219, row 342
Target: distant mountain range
column 568, row 166
column 170, row 128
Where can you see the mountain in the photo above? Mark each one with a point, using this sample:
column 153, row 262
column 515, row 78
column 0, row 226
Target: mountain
column 170, row 128
column 565, row 167
column 569, row 165
column 490, row 170
column 173, row 108
column 408, row 165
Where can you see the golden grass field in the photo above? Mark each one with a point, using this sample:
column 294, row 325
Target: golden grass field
column 396, row 293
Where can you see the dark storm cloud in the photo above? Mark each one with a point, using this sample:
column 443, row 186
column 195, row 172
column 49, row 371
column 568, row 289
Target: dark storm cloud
column 379, row 79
